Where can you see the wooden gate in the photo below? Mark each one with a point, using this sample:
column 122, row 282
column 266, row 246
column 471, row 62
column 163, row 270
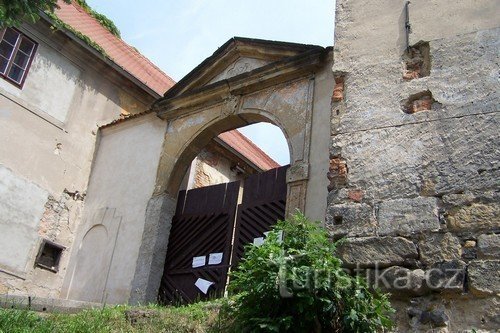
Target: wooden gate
column 203, row 227
column 203, row 224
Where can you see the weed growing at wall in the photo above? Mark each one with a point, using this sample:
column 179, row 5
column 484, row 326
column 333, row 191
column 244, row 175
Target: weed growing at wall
column 298, row 285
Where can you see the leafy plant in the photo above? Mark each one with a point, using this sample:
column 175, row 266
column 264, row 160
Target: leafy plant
column 13, row 12
column 298, row 285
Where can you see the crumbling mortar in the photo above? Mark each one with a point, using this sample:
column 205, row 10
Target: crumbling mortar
column 57, row 214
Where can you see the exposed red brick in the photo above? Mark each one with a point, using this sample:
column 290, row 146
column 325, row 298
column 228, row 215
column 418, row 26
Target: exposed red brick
column 355, row 195
column 411, row 74
column 338, row 91
column 422, row 104
column 337, row 172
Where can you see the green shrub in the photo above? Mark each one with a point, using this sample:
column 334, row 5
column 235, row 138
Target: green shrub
column 298, row 285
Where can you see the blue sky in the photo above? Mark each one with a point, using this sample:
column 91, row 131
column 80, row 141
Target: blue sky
column 178, row 35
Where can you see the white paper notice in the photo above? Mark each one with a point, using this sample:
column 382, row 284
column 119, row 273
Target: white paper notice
column 203, row 285
column 258, row 241
column 199, row 261
column 215, row 258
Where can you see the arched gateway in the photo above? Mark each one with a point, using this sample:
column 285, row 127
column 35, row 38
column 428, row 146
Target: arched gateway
column 245, row 81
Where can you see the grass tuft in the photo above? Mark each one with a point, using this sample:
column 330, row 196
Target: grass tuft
column 195, row 318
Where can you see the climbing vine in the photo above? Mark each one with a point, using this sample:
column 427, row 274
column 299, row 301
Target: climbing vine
column 14, row 12
column 103, row 20
column 57, row 23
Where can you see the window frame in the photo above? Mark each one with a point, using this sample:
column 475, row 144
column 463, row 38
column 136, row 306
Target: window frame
column 10, row 61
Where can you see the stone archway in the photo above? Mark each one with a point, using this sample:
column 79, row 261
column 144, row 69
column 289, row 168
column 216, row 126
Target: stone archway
column 244, row 82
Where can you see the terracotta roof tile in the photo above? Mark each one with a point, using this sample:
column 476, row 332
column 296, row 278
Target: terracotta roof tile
column 120, row 52
column 248, row 149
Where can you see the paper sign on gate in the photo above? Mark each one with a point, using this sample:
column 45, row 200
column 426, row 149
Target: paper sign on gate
column 215, row 258
column 199, row 261
column 258, row 241
column 203, row 285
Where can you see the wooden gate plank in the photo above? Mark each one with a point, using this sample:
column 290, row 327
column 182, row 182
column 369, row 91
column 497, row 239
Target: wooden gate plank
column 263, row 204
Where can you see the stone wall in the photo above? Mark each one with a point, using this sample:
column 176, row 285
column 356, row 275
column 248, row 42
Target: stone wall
column 414, row 158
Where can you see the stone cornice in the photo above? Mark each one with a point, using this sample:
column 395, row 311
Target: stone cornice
column 277, row 72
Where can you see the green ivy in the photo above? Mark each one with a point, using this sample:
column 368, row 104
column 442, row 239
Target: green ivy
column 103, row 20
column 298, row 285
column 57, row 23
column 14, row 12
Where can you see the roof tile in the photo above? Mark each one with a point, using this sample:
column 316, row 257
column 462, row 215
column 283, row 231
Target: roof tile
column 120, row 52
column 248, row 149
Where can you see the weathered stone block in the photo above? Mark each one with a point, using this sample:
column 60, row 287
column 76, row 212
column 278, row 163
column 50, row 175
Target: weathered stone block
column 439, row 247
column 478, row 216
column 484, row 277
column 350, row 219
column 488, row 246
column 4, row 289
column 422, row 320
column 401, row 162
column 407, row 216
column 446, row 276
column 378, row 251
column 458, row 199
column 400, row 281
column 469, row 250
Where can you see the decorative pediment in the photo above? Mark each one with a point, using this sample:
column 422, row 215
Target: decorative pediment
column 236, row 57
column 239, row 67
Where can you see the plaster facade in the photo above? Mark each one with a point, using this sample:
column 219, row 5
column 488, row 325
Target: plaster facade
column 49, row 130
column 109, row 235
column 414, row 156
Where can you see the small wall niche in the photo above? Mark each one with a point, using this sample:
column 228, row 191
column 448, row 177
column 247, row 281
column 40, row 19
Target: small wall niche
column 337, row 220
column 417, row 61
column 422, row 101
column 49, row 255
